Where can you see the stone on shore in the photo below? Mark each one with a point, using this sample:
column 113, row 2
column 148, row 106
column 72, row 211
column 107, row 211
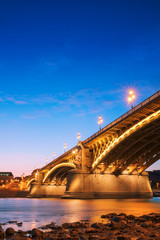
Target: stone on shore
column 116, row 227
column 36, row 233
column 1, row 233
column 20, row 237
column 10, row 231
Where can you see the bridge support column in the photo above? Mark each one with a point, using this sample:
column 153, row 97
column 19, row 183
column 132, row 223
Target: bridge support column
column 84, row 185
column 87, row 159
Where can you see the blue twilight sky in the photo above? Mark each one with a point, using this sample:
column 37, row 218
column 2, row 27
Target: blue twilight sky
column 63, row 63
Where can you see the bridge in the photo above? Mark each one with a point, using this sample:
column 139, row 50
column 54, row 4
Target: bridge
column 109, row 164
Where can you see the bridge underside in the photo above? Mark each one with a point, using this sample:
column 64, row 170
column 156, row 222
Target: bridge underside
column 136, row 153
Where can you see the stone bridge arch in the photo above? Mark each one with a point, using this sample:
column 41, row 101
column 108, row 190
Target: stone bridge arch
column 30, row 181
column 60, row 171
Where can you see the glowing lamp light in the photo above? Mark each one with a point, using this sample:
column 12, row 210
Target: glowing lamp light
column 75, row 151
column 131, row 97
column 100, row 121
column 78, row 136
column 65, row 147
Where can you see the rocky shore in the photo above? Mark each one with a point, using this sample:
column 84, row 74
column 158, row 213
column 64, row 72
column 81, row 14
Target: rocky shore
column 113, row 226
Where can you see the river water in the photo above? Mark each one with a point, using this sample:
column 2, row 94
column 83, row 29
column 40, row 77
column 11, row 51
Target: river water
column 38, row 212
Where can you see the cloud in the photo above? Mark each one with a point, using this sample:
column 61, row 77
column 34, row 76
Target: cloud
column 35, row 115
column 84, row 101
column 18, row 102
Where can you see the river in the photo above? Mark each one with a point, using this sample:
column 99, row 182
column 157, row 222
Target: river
column 38, row 212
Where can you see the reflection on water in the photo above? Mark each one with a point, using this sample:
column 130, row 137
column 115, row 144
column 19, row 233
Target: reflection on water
column 37, row 212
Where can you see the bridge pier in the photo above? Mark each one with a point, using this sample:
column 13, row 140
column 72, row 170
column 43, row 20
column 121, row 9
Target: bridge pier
column 85, row 185
column 46, row 191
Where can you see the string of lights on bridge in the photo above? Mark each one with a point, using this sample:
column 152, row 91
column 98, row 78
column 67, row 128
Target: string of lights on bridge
column 131, row 98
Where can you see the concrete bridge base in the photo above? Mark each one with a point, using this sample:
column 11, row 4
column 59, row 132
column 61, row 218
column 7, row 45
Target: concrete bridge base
column 83, row 185
column 46, row 191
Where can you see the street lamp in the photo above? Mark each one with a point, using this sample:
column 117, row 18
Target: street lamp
column 78, row 136
column 65, row 147
column 131, row 97
column 100, row 121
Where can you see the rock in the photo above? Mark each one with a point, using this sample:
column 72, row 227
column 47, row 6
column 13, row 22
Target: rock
column 1, row 234
column 94, row 237
column 115, row 219
column 75, row 225
column 66, row 225
column 19, row 224
column 58, row 227
column 131, row 217
column 113, row 225
column 105, row 216
column 11, row 222
column 21, row 233
column 147, row 224
column 10, row 231
column 49, row 238
column 36, row 233
column 67, row 236
column 110, row 215
column 84, row 237
column 154, row 235
column 123, row 238
column 91, row 230
column 87, row 220
column 19, row 237
column 98, row 225
column 122, row 214
column 51, row 225
column 141, row 238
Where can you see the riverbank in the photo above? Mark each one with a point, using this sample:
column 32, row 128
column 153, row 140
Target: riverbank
column 7, row 193
column 113, row 226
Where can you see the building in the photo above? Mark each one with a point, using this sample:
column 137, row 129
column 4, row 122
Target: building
column 5, row 177
column 154, row 177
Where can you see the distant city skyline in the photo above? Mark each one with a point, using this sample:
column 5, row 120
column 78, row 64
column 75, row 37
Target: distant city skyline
column 64, row 63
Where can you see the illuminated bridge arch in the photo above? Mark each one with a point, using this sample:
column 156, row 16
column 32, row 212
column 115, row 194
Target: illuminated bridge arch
column 30, row 181
column 60, row 170
column 143, row 155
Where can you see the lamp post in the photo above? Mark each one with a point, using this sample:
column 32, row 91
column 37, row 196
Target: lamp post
column 78, row 136
column 131, row 97
column 100, row 121
column 54, row 154
column 65, row 147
